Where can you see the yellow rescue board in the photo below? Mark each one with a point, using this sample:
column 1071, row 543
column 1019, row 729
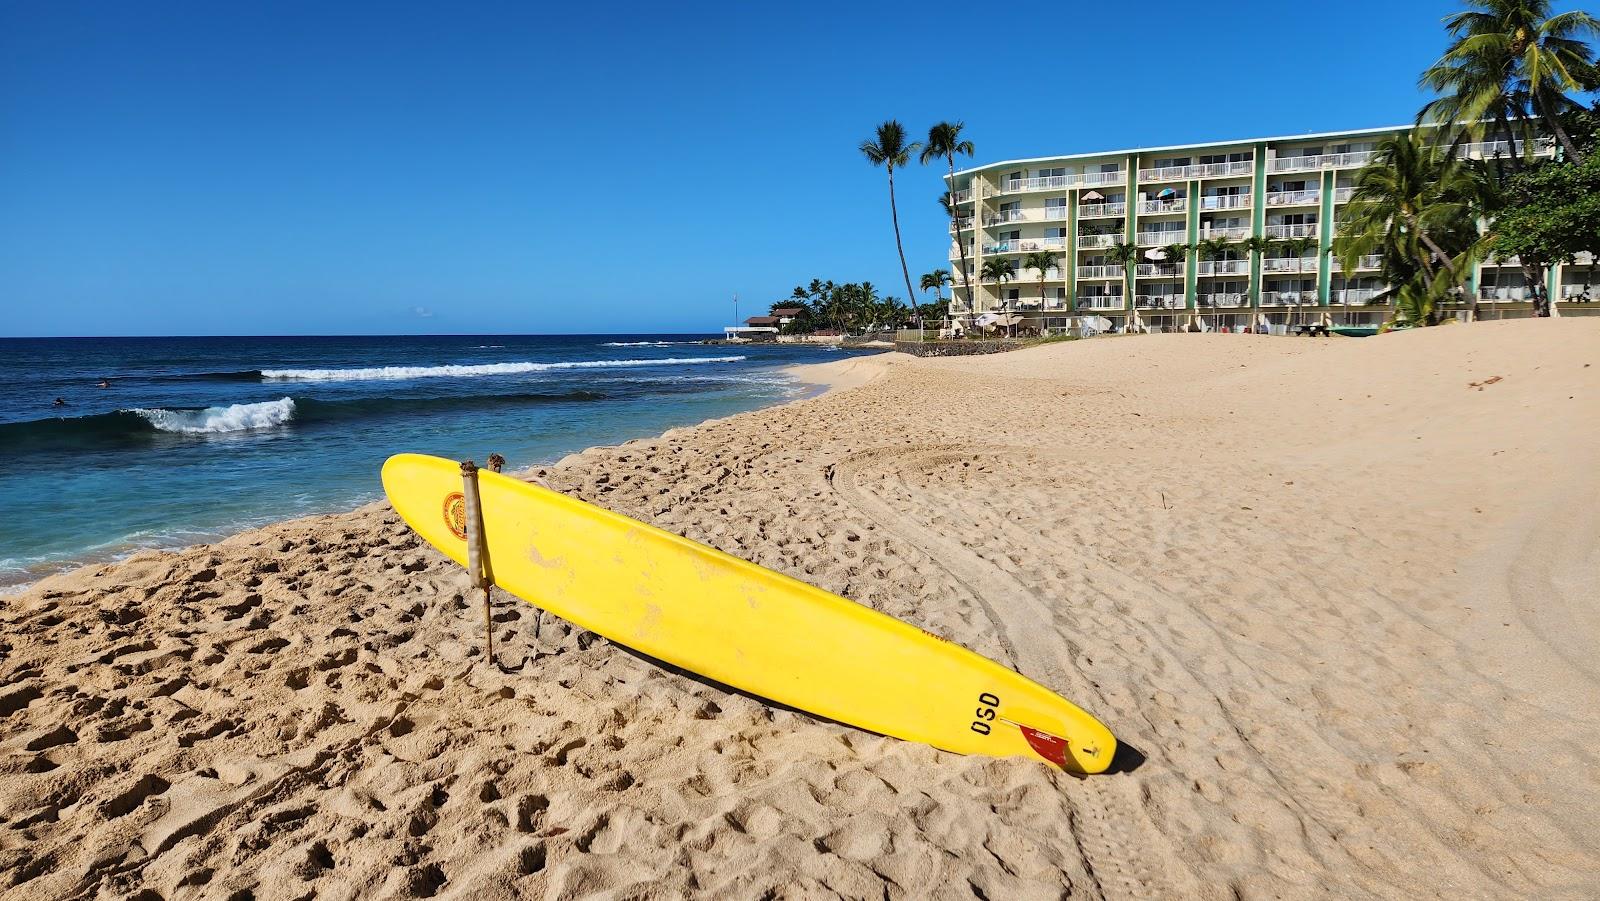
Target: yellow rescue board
column 741, row 624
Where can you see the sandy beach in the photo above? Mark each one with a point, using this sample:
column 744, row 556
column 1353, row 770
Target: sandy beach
column 1340, row 594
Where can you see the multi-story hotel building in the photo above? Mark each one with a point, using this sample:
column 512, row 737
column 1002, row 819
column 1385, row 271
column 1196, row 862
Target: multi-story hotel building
column 1288, row 190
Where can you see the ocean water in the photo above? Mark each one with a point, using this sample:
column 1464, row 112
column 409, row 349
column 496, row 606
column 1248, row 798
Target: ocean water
column 197, row 438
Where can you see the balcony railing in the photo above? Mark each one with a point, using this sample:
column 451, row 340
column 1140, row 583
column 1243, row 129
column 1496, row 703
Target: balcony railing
column 1098, row 210
column 1488, row 149
column 1198, row 170
column 961, row 224
column 1515, row 293
column 1308, row 230
column 1319, row 161
column 1100, row 272
column 1289, row 264
column 1223, row 301
column 1354, row 297
column 1503, row 261
column 1293, row 198
column 1056, row 212
column 1571, row 291
column 1238, row 233
column 1158, row 270
column 1343, row 195
column 1174, row 205
column 1099, row 302
column 961, row 196
column 1370, row 261
column 1098, row 179
column 1025, row 245
column 1224, row 267
column 1288, row 298
column 1004, row 216
column 1225, row 202
column 1158, row 302
column 1036, row 183
column 1161, row 238
column 1093, row 241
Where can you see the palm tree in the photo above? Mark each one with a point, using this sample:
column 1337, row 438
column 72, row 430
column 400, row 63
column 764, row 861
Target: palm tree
column 1213, row 249
column 997, row 270
column 1175, row 255
column 1510, row 56
column 1040, row 260
column 1125, row 255
column 1298, row 248
column 935, row 281
column 944, row 140
column 891, row 151
column 1418, row 206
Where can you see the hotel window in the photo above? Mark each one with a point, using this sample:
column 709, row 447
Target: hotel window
column 1053, row 173
column 1055, row 233
column 1055, row 202
column 1170, row 162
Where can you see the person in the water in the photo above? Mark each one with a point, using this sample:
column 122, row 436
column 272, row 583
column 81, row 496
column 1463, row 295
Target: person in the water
column 59, row 403
column 104, row 383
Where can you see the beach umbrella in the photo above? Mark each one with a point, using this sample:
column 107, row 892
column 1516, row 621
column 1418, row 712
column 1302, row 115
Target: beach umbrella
column 1156, row 254
column 1093, row 195
column 1166, row 193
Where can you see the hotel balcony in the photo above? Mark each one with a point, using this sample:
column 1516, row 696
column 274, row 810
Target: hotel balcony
column 1093, row 241
column 1158, row 270
column 1055, row 213
column 1503, row 261
column 1513, row 294
column 1159, row 302
column 1226, row 202
column 1223, row 267
column 1174, row 205
column 1101, row 272
column 1036, row 183
column 1222, row 301
column 1319, row 161
column 1199, row 170
column 1343, row 195
column 1369, row 262
column 1005, row 216
column 1293, row 198
column 1231, row 234
column 1485, row 150
column 1099, row 179
column 1162, row 238
column 1288, row 298
column 961, row 196
column 961, row 224
column 1026, row 245
column 1289, row 264
column 1102, row 210
column 1308, row 230
column 1354, row 297
column 1099, row 302
column 955, row 251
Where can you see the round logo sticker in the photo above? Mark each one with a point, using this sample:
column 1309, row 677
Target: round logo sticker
column 455, row 515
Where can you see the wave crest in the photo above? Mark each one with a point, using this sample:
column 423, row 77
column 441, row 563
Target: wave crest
column 216, row 420
column 465, row 371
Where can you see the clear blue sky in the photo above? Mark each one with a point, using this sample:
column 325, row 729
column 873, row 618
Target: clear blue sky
column 288, row 168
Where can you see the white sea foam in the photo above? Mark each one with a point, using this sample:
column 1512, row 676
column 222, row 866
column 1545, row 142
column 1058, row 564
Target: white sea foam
column 424, row 372
column 648, row 343
column 213, row 420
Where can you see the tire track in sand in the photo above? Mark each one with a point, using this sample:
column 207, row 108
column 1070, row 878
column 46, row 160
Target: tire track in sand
column 1115, row 836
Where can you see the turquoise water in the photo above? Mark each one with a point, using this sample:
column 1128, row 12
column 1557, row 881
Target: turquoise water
column 196, row 438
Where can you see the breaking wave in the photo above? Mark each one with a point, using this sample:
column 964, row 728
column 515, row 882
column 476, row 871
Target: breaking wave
column 463, row 371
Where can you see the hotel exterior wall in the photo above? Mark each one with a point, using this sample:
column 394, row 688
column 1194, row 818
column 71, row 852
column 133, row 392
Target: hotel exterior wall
column 1059, row 204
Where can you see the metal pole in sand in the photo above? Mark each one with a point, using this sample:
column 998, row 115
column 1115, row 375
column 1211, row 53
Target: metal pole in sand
column 477, row 552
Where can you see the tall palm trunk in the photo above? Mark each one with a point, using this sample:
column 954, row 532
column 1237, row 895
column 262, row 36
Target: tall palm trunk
column 894, row 213
column 1541, row 105
column 955, row 219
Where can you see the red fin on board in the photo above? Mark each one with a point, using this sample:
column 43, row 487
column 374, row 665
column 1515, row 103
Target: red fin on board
column 1051, row 747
